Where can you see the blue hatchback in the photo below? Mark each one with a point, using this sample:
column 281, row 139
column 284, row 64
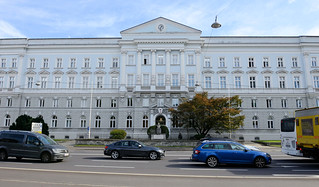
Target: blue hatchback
column 229, row 152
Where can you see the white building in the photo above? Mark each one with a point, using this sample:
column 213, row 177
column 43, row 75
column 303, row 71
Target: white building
column 133, row 80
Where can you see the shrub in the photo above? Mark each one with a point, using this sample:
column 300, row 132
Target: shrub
column 117, row 134
column 152, row 130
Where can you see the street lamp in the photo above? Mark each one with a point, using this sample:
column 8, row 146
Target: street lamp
column 216, row 25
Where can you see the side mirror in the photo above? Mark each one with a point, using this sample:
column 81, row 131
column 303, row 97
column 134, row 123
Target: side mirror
column 140, row 146
column 246, row 150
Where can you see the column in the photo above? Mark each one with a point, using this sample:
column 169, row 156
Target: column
column 182, row 69
column 138, row 66
column 123, row 71
column 168, row 69
column 153, row 76
column 198, row 68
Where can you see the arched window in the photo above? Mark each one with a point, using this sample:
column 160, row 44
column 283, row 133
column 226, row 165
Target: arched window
column 270, row 122
column 7, row 120
column 97, row 122
column 54, row 121
column 112, row 122
column 83, row 121
column 175, row 122
column 129, row 122
column 255, row 122
column 68, row 122
column 145, row 122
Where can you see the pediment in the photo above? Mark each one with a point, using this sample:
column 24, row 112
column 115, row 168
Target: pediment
column 207, row 72
column 71, row 72
column 86, row 72
column 267, row 71
column 58, row 72
column 314, row 71
column 237, row 72
column 44, row 72
column 297, row 71
column 100, row 72
column 252, row 72
column 30, row 72
column 158, row 27
column 2, row 72
column 114, row 72
column 282, row 72
column 12, row 72
column 222, row 72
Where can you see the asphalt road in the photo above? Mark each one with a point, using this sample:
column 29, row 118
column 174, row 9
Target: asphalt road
column 92, row 168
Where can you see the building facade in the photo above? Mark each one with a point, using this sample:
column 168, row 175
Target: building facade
column 85, row 87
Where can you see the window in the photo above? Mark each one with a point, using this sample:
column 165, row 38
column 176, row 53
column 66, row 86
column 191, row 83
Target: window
column 59, row 63
column 27, row 103
column 145, row 122
column 146, row 79
column 85, row 82
column 175, row 80
column 160, row 102
column 316, row 81
column 114, row 83
column 31, row 63
column 251, row 62
column 294, row 62
column 55, row 103
column 3, row 62
column 14, row 63
column 175, row 102
column 252, row 82
column 57, row 82
column 283, row 103
column 54, row 121
column 298, row 103
column 83, row 102
column 317, row 102
column 115, row 62
column 113, row 103
column 71, row 82
column 99, row 82
column 190, row 60
column 7, row 120
column 282, row 82
column 208, row 82
column 1, row 82
column 280, row 62
column 160, row 59
column 45, row 63
column 11, row 82
column 43, row 83
column 69, row 103
column 314, row 61
column 146, row 59
column 222, row 62
column 30, row 82
column 112, row 122
column 160, row 80
column 175, row 122
column 267, row 82
column 86, row 63
column 265, row 62
column 268, row 103
column 83, row 121
column 222, row 82
column 255, row 122
column 175, row 59
column 68, row 122
column 41, row 102
column 191, row 80
column 130, row 80
column 98, row 103
column 207, row 62
column 270, row 122
column 129, row 122
column 131, row 60
column 97, row 122
column 9, row 102
column 297, row 82
column 237, row 82
column 129, row 102
column 72, row 63
column 100, row 63
column 254, row 103
column 236, row 62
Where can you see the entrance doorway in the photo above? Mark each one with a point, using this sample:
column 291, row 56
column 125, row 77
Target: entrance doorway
column 161, row 120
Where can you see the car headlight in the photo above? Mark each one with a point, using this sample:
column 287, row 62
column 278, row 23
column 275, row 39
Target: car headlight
column 59, row 150
column 268, row 155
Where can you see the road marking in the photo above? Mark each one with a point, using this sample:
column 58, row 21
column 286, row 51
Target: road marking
column 217, row 169
column 293, row 176
column 50, row 183
column 304, row 170
column 124, row 161
column 114, row 167
column 86, row 154
column 21, row 163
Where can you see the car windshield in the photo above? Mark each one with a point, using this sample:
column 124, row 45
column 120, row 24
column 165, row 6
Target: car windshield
column 46, row 140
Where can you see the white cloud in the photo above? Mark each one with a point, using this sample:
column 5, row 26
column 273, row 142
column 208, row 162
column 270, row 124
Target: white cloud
column 313, row 31
column 8, row 31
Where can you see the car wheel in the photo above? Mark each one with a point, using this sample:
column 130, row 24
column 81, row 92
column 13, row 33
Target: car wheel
column 153, row 155
column 19, row 158
column 260, row 162
column 212, row 162
column 59, row 160
column 3, row 155
column 115, row 155
column 45, row 157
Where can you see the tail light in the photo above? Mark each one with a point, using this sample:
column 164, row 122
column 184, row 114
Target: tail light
column 196, row 152
column 106, row 147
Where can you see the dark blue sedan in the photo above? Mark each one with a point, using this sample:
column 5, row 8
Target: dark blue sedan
column 132, row 148
column 229, row 152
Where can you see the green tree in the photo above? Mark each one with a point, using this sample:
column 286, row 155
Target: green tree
column 204, row 114
column 24, row 123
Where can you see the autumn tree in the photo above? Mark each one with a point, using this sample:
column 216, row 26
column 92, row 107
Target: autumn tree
column 204, row 114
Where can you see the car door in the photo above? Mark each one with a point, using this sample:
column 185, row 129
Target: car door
column 32, row 147
column 241, row 154
column 124, row 149
column 134, row 149
column 224, row 152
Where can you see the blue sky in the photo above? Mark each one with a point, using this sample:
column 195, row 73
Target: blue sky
column 106, row 18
